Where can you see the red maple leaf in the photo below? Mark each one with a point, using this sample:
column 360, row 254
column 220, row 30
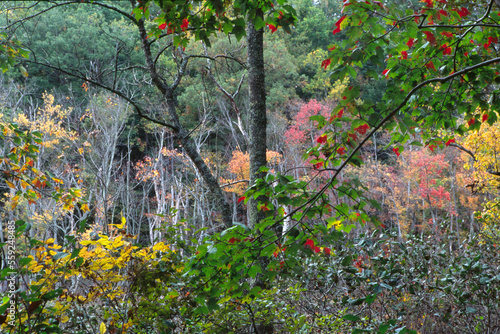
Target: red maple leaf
column 309, row 244
column 321, row 140
column 362, row 129
column 341, row 150
column 337, row 25
column 163, row 25
column 446, row 49
column 485, row 117
column 317, row 249
column 471, row 121
column 325, row 63
column 241, row 199
column 272, row 27
column 396, row 150
column 410, row 42
column 452, row 140
column 185, row 24
column 404, row 54
column 430, row 65
column 318, row 165
column 233, row 240
column 463, row 12
column 429, row 36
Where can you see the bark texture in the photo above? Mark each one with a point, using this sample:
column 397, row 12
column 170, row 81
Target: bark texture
column 257, row 114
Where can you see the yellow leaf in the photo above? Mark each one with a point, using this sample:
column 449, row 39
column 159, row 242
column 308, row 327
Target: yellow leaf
column 85, row 207
column 24, row 184
column 102, row 328
column 64, row 319
column 10, row 184
column 49, row 241
column 80, row 150
column 56, row 180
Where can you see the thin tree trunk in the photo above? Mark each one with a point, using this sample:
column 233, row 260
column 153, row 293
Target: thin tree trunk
column 257, row 113
column 257, row 136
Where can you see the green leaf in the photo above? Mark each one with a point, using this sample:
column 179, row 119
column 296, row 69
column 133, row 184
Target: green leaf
column 351, row 317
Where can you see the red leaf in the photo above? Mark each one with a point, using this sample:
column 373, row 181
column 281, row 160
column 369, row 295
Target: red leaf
column 463, row 12
column 471, row 121
column 241, row 199
column 185, row 24
column 430, row 65
column 443, row 12
column 404, row 54
column 362, row 129
column 309, row 244
column 410, row 42
column 162, row 26
column 452, row 140
column 428, row 3
column 341, row 150
column 339, row 115
column 318, row 165
column 447, row 34
column 353, row 136
column 233, row 240
column 432, row 147
column 327, row 251
column 317, row 249
column 485, row 118
column 321, row 140
column 446, row 49
column 337, row 25
column 384, row 72
column 272, row 27
column 396, row 150
column 429, row 36
column 325, row 63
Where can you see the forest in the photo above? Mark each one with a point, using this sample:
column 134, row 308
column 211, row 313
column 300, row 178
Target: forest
column 249, row 166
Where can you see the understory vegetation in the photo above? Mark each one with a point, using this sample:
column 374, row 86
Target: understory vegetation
column 249, row 166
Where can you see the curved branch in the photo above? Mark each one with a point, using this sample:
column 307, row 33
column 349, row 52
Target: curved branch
column 59, row 4
column 460, row 147
column 109, row 89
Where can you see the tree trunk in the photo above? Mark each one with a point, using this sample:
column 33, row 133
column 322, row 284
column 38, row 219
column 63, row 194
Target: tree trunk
column 257, row 135
column 257, row 113
column 181, row 135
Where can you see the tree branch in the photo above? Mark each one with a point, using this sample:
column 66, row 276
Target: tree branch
column 109, row 89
